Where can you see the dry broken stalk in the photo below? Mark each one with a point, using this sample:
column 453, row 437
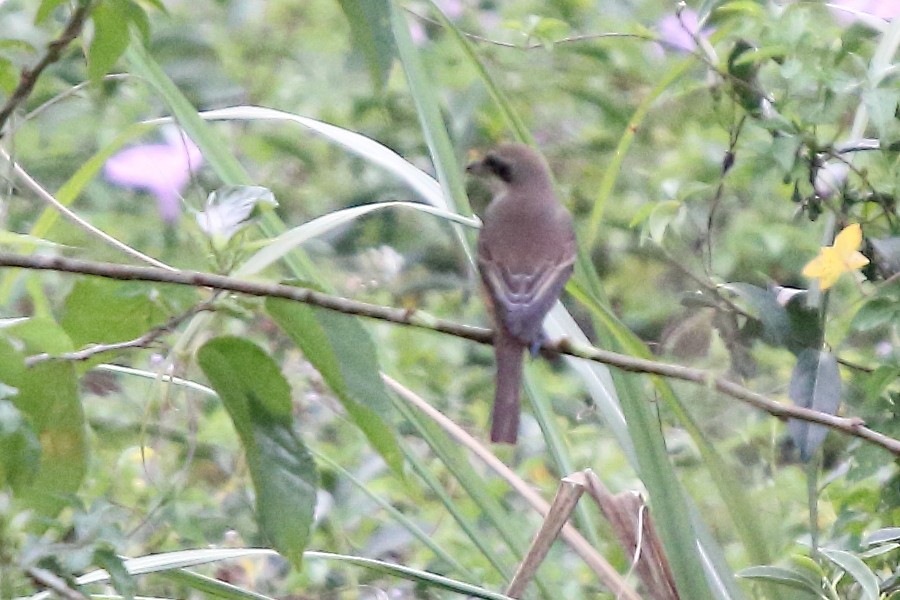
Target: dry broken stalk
column 632, row 524
column 567, row 496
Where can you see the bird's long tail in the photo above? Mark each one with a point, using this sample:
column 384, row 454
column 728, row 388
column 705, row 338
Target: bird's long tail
column 505, row 415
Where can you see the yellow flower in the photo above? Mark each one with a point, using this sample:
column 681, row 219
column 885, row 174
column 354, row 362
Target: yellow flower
column 833, row 261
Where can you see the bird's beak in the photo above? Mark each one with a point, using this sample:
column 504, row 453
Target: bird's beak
column 476, row 167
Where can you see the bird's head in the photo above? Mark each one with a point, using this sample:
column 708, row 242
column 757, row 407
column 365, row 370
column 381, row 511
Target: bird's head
column 513, row 164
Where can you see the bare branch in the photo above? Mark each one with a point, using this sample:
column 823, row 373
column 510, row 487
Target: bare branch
column 847, row 425
column 29, row 77
column 55, row 583
column 142, row 341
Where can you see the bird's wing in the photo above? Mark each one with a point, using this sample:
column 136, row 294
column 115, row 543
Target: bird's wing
column 523, row 298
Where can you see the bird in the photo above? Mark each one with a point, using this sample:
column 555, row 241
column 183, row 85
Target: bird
column 526, row 253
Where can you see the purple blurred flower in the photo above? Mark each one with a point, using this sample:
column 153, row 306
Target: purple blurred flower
column 159, row 169
column 864, row 10
column 678, row 32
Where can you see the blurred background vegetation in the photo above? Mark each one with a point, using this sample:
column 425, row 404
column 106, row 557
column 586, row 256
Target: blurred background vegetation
column 705, row 165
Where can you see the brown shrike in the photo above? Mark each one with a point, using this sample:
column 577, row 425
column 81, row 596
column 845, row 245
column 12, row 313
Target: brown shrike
column 526, row 252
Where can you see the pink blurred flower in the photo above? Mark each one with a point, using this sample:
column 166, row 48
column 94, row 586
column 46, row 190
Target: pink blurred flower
column 848, row 11
column 452, row 9
column 162, row 170
column 678, row 32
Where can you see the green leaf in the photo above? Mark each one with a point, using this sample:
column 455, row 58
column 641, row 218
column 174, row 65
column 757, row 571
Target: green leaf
column 662, row 215
column 280, row 246
column 258, row 399
column 805, row 327
column 47, row 400
column 158, row 5
column 744, row 8
column 784, row 577
column 181, row 559
column 879, row 380
column 815, row 384
column 785, row 150
column 106, row 558
column 876, row 313
column 766, row 308
column 370, row 34
column 46, row 7
column 881, row 536
column 23, row 240
column 104, row 311
column 36, row 335
column 882, row 106
column 48, row 396
column 9, row 76
column 111, row 37
column 138, row 17
column 744, row 70
column 410, row 574
column 343, row 353
column 20, row 451
column 857, row 569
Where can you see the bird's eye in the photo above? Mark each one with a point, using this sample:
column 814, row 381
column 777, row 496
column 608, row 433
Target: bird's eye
column 499, row 167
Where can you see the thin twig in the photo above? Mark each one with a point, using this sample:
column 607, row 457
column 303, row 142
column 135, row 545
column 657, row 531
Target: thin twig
column 142, row 341
column 703, row 52
column 586, row 37
column 69, row 92
column 55, row 583
column 47, row 197
column 28, row 78
column 848, row 425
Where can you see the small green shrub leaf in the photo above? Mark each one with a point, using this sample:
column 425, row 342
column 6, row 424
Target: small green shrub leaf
column 341, row 350
column 111, row 37
column 258, row 399
column 857, row 569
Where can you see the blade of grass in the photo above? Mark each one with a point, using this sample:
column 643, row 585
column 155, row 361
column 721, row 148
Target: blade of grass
column 468, row 527
column 559, row 457
column 410, row 574
column 372, row 151
column 67, row 194
column 738, row 503
column 512, row 119
column 449, row 174
column 458, row 465
column 398, row 516
column 612, row 171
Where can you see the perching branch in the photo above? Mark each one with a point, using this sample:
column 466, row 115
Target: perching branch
column 29, row 77
column 847, row 425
